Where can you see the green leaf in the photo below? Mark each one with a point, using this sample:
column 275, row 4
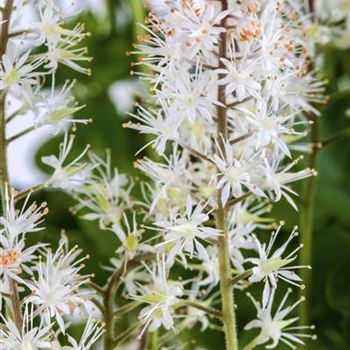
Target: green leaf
column 338, row 288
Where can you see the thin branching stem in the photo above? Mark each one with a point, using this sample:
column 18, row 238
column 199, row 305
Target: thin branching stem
column 241, row 276
column 110, row 293
column 204, row 308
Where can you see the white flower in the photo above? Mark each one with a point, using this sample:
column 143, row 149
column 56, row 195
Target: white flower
column 269, row 128
column 234, row 174
column 57, row 109
column 189, row 95
column 171, row 178
column 92, row 332
column 66, row 176
column 201, row 27
column 130, row 238
column 277, row 327
column 185, row 231
column 162, row 124
column 15, row 258
column 19, row 222
column 238, row 80
column 272, row 265
column 50, row 28
column 15, row 225
column 161, row 297
column 276, row 180
column 65, row 53
column 106, row 194
column 18, row 74
column 30, row 337
column 250, row 7
column 57, row 289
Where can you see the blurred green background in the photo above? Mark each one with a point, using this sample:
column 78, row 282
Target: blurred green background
column 112, row 35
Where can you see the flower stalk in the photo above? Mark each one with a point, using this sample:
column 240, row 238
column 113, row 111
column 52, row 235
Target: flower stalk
column 226, row 287
column 307, row 223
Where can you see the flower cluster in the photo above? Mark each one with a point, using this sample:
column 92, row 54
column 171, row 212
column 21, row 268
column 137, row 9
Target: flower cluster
column 233, row 92
column 26, row 71
column 331, row 25
column 50, row 283
column 233, row 95
column 44, row 288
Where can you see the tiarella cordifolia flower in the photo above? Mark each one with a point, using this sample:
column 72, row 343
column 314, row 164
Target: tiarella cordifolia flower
column 186, row 232
column 171, row 179
column 66, row 54
column 66, row 176
column 189, row 98
column 275, row 180
column 238, row 80
column 130, row 237
column 92, row 332
column 234, row 174
column 50, row 26
column 15, row 256
column 277, row 327
column 273, row 265
column 163, row 125
column 19, row 222
column 56, row 289
column 30, row 336
column 18, row 74
column 232, row 96
column 57, row 109
column 161, row 297
column 105, row 195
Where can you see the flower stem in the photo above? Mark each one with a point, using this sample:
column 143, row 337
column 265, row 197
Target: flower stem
column 307, row 223
column 152, row 340
column 226, row 287
column 109, row 298
column 7, row 11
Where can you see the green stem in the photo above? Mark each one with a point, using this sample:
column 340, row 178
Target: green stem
column 109, row 297
column 152, row 340
column 241, row 277
column 252, row 344
column 20, row 134
column 307, row 223
column 124, row 336
column 126, row 309
column 226, row 287
column 201, row 307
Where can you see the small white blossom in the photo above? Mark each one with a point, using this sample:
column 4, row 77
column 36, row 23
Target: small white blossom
column 66, row 176
column 161, row 297
column 186, row 231
column 29, row 337
column 56, row 291
column 276, row 327
column 272, row 265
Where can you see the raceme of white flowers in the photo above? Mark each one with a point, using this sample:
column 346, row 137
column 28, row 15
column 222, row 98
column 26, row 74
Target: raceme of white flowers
column 232, row 92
